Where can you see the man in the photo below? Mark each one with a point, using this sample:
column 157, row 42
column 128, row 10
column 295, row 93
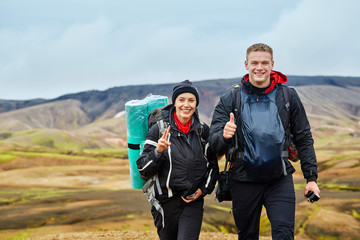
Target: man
column 260, row 173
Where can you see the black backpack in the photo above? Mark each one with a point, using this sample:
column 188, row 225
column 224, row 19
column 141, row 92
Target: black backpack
column 155, row 116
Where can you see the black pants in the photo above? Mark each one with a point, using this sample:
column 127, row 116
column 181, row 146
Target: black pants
column 278, row 197
column 182, row 220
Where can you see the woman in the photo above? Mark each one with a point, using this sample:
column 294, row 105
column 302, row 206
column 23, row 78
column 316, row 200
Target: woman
column 184, row 168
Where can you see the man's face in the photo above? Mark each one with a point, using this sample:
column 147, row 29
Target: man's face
column 259, row 64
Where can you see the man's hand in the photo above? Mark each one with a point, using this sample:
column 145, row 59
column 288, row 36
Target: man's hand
column 163, row 144
column 312, row 186
column 230, row 128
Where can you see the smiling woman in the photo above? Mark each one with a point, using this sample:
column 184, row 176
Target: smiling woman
column 180, row 167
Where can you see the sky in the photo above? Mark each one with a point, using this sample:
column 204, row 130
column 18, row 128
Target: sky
column 51, row 48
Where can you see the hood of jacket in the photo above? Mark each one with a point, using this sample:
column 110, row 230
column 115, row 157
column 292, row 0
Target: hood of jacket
column 275, row 78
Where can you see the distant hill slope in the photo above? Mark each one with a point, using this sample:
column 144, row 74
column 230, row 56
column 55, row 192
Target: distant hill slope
column 65, row 114
column 87, row 118
column 332, row 106
column 105, row 104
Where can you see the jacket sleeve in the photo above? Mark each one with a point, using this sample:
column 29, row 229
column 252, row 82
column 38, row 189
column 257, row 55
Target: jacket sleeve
column 220, row 117
column 212, row 175
column 303, row 140
column 148, row 162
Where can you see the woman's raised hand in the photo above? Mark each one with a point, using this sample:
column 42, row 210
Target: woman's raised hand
column 163, row 144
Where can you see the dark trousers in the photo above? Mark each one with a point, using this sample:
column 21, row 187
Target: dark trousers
column 182, row 220
column 278, row 197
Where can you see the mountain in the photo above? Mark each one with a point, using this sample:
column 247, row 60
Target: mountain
column 105, row 104
column 64, row 114
column 88, row 117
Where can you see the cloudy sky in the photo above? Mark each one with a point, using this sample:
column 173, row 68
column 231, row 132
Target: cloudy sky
column 50, row 48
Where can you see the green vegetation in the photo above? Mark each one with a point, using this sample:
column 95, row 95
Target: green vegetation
column 327, row 237
column 18, row 237
column 207, row 227
column 58, row 140
column 125, row 227
column 55, row 140
column 339, row 187
column 102, row 155
column 265, row 227
column 146, row 227
column 5, row 135
column 310, row 213
column 355, row 214
column 108, row 152
column 223, row 229
column 19, row 195
column 218, row 207
column 6, row 157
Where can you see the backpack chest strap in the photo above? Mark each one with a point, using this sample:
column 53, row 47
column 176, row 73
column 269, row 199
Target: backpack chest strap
column 238, row 156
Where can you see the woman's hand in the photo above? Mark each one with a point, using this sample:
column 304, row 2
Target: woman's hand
column 198, row 193
column 163, row 144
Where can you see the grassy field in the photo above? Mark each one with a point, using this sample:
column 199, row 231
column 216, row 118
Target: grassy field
column 44, row 192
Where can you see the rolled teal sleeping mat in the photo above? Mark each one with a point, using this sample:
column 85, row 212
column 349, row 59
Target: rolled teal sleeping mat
column 137, row 112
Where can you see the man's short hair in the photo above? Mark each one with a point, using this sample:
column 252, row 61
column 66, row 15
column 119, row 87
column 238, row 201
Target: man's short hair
column 259, row 47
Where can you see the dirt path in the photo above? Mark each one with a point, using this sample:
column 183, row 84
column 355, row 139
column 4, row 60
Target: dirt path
column 139, row 235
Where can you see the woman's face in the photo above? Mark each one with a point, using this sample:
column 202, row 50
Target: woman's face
column 185, row 105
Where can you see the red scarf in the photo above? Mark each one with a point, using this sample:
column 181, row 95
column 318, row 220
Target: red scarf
column 184, row 128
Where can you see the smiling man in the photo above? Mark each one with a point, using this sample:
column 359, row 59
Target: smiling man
column 257, row 118
column 259, row 64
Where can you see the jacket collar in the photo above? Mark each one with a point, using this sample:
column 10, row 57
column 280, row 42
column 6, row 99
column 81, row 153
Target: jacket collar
column 275, row 78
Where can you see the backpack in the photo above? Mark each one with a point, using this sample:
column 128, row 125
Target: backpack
column 293, row 154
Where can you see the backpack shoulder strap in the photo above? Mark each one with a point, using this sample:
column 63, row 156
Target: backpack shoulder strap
column 163, row 125
column 236, row 97
column 287, row 96
column 236, row 106
column 199, row 132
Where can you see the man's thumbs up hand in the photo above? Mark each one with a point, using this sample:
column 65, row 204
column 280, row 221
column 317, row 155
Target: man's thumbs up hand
column 230, row 128
column 232, row 118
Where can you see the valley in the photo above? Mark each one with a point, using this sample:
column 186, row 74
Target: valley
column 64, row 168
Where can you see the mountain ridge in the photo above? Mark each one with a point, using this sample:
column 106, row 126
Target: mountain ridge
column 105, row 104
column 87, row 118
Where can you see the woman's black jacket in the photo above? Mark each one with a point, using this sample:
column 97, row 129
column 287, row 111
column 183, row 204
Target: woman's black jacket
column 183, row 167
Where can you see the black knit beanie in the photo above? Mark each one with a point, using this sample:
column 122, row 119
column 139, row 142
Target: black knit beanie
column 184, row 87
